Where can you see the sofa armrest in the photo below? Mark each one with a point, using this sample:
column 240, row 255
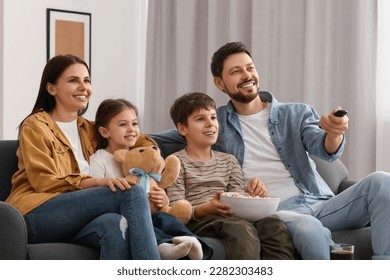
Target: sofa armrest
column 334, row 173
column 346, row 184
column 9, row 165
column 13, row 233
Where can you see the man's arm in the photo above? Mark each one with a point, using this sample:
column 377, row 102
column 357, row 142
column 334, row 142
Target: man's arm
column 335, row 126
column 169, row 141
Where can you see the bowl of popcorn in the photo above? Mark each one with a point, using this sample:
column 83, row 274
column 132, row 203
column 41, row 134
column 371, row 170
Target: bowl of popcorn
column 250, row 208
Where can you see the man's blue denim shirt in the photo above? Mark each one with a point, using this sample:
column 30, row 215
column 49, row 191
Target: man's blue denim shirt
column 294, row 131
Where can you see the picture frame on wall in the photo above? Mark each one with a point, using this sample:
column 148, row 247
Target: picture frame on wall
column 69, row 32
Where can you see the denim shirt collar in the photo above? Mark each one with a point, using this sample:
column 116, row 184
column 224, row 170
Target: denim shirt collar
column 265, row 96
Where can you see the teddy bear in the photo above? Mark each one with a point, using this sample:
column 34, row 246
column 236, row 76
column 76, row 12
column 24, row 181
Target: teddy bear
column 148, row 168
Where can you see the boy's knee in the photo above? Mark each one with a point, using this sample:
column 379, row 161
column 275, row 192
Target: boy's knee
column 242, row 228
column 271, row 225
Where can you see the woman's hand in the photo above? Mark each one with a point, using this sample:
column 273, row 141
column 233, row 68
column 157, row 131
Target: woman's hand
column 117, row 183
column 158, row 197
column 256, row 187
column 112, row 183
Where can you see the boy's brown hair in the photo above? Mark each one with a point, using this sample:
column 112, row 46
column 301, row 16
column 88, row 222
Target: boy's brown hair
column 186, row 104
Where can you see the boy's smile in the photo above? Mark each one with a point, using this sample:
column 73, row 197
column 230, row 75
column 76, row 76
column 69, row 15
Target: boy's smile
column 201, row 129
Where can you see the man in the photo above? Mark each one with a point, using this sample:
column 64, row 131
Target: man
column 272, row 141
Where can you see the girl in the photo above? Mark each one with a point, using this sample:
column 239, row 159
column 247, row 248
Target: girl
column 117, row 128
column 60, row 201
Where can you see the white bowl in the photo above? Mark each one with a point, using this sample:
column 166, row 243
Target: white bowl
column 249, row 208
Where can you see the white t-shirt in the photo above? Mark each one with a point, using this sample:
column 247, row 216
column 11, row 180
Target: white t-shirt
column 261, row 158
column 104, row 165
column 71, row 132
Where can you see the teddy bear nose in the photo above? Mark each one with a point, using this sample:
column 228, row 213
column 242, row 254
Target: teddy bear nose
column 141, row 150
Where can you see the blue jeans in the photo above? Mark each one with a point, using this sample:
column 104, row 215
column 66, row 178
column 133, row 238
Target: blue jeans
column 167, row 226
column 310, row 220
column 118, row 223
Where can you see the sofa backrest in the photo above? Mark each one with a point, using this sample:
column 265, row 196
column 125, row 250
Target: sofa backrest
column 8, row 166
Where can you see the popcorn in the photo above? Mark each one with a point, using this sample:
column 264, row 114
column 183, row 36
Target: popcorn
column 243, row 195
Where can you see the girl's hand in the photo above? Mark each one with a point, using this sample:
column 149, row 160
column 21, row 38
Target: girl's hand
column 256, row 187
column 158, row 196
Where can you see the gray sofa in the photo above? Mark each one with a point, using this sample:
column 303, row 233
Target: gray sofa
column 13, row 233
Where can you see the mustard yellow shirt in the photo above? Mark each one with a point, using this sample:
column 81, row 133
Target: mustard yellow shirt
column 47, row 165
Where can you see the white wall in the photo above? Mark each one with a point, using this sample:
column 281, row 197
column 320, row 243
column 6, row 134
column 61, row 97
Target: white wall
column 118, row 53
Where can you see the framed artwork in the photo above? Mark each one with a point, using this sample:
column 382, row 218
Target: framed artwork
column 69, row 32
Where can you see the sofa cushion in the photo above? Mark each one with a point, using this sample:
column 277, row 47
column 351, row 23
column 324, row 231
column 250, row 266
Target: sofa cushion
column 219, row 249
column 361, row 238
column 61, row 251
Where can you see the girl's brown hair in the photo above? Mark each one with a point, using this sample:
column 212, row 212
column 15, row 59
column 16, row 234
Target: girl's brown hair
column 107, row 110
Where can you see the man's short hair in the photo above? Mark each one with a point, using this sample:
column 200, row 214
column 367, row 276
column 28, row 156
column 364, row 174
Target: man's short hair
column 222, row 53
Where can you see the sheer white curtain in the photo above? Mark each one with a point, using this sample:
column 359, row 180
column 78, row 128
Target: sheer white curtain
column 383, row 88
column 321, row 52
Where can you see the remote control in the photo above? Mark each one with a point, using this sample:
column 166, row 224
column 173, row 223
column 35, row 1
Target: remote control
column 340, row 113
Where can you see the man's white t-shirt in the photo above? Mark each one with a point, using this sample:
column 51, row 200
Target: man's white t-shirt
column 262, row 159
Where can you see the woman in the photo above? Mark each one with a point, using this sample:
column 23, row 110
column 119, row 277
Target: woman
column 52, row 189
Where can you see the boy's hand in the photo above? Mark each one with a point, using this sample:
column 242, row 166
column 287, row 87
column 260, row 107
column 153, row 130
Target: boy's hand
column 159, row 197
column 215, row 206
column 256, row 187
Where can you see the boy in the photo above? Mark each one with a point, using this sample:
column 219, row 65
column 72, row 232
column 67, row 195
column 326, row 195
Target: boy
column 205, row 174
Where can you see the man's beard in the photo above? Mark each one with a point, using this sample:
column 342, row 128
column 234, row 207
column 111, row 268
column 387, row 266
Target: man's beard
column 242, row 98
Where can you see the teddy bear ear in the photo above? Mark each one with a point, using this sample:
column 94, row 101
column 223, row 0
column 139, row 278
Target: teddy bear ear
column 120, row 155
